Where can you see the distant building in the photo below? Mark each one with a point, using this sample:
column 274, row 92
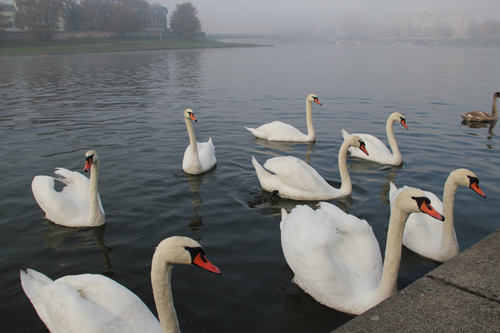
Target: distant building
column 9, row 11
column 352, row 40
column 427, row 23
column 157, row 19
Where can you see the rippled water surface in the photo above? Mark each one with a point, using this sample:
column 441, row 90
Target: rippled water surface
column 128, row 107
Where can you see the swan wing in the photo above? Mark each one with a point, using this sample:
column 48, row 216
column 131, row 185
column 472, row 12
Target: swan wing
column 278, row 131
column 422, row 234
column 93, row 303
column 297, row 179
column 206, row 153
column 376, row 148
column 335, row 256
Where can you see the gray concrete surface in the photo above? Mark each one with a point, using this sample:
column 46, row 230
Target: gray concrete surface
column 461, row 295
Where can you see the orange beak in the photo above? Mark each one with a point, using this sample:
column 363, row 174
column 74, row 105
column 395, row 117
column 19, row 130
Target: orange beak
column 475, row 187
column 363, row 148
column 203, row 262
column 317, row 101
column 403, row 122
column 193, row 118
column 426, row 208
column 88, row 164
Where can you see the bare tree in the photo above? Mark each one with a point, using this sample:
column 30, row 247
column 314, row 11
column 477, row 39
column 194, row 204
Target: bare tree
column 40, row 17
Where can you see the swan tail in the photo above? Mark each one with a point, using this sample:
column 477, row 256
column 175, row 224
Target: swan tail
column 345, row 134
column 252, row 130
column 32, row 283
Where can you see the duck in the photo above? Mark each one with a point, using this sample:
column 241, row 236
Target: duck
column 378, row 151
column 96, row 303
column 335, row 256
column 198, row 157
column 295, row 179
column 279, row 131
column 428, row 237
column 481, row 116
column 79, row 203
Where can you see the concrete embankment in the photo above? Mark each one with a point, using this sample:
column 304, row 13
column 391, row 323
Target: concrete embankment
column 461, row 295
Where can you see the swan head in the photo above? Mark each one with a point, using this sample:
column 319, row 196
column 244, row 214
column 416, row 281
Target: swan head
column 496, row 95
column 398, row 117
column 189, row 114
column 91, row 157
column 313, row 98
column 414, row 201
column 184, row 250
column 468, row 179
column 355, row 141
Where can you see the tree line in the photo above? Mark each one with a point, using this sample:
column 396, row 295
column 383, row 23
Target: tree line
column 44, row 17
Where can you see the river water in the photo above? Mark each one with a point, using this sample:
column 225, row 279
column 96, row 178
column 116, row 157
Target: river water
column 129, row 107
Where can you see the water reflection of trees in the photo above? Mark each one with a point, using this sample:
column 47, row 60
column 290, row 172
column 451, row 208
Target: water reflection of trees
column 63, row 238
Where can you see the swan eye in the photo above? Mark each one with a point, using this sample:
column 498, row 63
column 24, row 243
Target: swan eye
column 473, row 180
column 89, row 158
column 194, row 251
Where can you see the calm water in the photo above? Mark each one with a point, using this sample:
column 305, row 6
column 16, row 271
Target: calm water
column 128, row 107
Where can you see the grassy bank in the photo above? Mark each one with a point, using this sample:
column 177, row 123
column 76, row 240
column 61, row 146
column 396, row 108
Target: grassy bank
column 83, row 46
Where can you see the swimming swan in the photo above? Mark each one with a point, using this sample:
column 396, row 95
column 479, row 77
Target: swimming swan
column 378, row 151
column 199, row 157
column 425, row 235
column 78, row 204
column 279, row 131
column 336, row 258
column 481, row 116
column 295, row 179
column 95, row 303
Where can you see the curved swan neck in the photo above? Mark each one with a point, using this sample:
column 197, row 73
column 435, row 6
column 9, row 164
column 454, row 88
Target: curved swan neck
column 95, row 210
column 449, row 240
column 311, row 134
column 494, row 107
column 192, row 138
column 388, row 282
column 389, row 128
column 346, row 186
column 161, row 272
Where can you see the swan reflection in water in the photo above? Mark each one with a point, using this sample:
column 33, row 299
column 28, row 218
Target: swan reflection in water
column 286, row 147
column 489, row 125
column 194, row 182
column 62, row 238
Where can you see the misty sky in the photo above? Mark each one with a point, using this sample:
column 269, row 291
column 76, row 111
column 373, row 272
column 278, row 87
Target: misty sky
column 282, row 16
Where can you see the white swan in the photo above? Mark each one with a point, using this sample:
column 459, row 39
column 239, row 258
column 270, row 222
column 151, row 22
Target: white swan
column 295, row 179
column 95, row 303
column 279, row 131
column 78, row 204
column 199, row 157
column 336, row 258
column 481, row 116
column 425, row 235
column 378, row 151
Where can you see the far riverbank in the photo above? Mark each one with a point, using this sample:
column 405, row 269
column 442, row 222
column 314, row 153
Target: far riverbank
column 17, row 48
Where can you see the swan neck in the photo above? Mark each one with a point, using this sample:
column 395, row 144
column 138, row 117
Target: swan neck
column 390, row 270
column 161, row 272
column 389, row 128
column 494, row 107
column 192, row 138
column 449, row 240
column 311, row 134
column 346, row 186
column 95, row 209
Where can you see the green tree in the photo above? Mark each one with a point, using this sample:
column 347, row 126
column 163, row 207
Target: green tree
column 184, row 21
column 40, row 17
